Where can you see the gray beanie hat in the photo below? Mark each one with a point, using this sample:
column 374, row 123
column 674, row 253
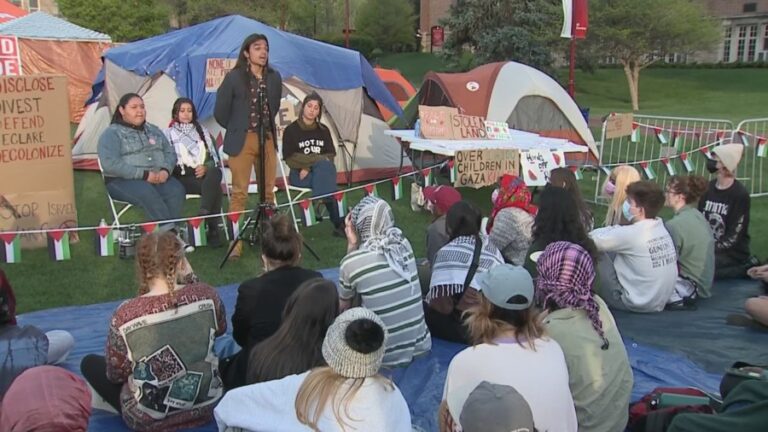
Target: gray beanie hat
column 344, row 360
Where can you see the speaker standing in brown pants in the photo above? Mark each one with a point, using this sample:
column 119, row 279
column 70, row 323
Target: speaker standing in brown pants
column 246, row 102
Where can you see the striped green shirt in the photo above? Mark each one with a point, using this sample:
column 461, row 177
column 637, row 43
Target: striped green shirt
column 395, row 300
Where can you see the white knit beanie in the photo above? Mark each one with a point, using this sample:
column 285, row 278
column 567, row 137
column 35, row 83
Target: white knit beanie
column 729, row 154
column 344, row 360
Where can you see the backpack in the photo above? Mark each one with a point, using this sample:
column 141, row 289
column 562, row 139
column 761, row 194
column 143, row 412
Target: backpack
column 654, row 412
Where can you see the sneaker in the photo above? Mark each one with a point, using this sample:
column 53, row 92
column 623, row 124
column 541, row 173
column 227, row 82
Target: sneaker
column 188, row 248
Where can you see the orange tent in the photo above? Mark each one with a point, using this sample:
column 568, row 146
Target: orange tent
column 400, row 88
column 9, row 11
column 54, row 46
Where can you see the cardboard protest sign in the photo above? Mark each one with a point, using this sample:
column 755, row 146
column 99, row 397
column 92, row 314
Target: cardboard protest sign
column 35, row 156
column 215, row 70
column 537, row 164
column 436, row 121
column 618, row 125
column 468, row 127
column 478, row 168
column 288, row 114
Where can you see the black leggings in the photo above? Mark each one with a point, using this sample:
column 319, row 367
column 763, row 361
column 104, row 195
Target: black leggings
column 94, row 369
column 208, row 187
column 448, row 327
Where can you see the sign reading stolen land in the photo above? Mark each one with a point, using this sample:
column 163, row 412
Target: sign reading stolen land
column 35, row 156
column 478, row 168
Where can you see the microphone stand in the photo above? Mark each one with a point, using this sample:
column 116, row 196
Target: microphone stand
column 264, row 211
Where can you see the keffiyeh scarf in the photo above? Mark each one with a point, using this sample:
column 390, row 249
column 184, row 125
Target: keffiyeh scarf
column 452, row 264
column 566, row 274
column 375, row 224
column 512, row 192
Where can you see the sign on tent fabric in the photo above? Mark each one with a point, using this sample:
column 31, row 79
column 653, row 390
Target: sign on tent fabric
column 215, row 71
column 10, row 57
column 35, row 156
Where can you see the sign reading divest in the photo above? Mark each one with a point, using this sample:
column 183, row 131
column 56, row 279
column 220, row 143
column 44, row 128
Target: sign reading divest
column 10, row 58
column 478, row 168
column 35, row 156
column 215, row 71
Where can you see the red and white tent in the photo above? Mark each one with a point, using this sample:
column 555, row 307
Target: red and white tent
column 9, row 11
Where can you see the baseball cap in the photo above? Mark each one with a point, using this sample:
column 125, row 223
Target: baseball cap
column 507, row 286
column 496, row 408
column 442, row 197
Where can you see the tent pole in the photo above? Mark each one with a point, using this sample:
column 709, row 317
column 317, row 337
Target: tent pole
column 572, row 70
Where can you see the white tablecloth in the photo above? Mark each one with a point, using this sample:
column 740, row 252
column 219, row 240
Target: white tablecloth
column 520, row 141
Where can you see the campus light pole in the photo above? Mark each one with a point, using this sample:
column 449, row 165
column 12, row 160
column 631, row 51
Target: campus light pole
column 346, row 23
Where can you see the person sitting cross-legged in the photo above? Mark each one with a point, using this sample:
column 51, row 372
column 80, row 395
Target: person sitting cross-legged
column 693, row 240
column 379, row 272
column 638, row 263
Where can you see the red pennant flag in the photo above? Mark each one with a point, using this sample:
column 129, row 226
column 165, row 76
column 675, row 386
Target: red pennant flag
column 369, row 189
column 56, row 234
column 305, row 204
column 233, row 217
column 103, row 230
column 148, row 227
column 338, row 196
column 7, row 237
column 195, row 222
column 451, row 163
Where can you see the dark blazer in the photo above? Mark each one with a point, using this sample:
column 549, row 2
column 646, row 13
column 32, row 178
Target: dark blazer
column 232, row 106
column 260, row 303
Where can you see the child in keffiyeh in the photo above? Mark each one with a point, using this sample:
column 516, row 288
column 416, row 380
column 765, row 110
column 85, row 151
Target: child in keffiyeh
column 448, row 297
column 511, row 221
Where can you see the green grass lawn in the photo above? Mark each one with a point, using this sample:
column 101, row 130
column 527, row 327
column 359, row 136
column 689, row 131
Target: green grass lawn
column 41, row 283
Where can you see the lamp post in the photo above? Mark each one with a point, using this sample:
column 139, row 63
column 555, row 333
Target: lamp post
column 346, row 23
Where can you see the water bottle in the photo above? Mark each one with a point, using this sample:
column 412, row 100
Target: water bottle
column 417, row 129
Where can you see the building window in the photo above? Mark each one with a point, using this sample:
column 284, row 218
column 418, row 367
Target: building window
column 752, row 43
column 742, row 43
column 727, row 44
column 765, row 39
column 34, row 5
column 750, row 7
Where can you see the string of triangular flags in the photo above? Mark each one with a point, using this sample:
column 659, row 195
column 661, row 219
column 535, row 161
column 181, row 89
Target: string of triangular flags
column 675, row 136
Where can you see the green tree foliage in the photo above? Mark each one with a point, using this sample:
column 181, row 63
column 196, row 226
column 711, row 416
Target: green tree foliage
column 123, row 20
column 392, row 24
column 638, row 33
column 525, row 31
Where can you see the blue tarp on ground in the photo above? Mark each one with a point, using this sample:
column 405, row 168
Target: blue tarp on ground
column 182, row 54
column 665, row 349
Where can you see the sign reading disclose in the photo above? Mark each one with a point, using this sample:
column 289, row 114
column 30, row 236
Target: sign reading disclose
column 36, row 156
column 478, row 168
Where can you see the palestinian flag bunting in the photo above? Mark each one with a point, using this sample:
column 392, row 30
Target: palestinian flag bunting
column 235, row 224
column 660, row 135
column 397, row 188
column 648, row 170
column 10, row 252
column 307, row 213
column 58, row 245
column 427, row 173
column 706, row 152
column 744, row 138
column 669, row 166
column 577, row 172
column 686, row 162
column 105, row 241
column 149, row 227
column 606, row 170
column 761, row 145
column 341, row 202
column 372, row 190
column 452, row 170
column 635, row 137
column 196, row 232
column 677, row 139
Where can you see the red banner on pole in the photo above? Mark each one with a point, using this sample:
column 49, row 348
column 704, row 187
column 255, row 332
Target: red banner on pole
column 575, row 19
column 437, row 34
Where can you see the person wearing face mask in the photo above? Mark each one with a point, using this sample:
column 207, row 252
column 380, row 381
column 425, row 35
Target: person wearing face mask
column 638, row 263
column 725, row 205
column 615, row 188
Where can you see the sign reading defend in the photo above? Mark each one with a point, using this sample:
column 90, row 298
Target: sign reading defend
column 36, row 156
column 215, row 71
column 478, row 168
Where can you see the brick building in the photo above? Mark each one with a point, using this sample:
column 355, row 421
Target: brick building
column 47, row 6
column 745, row 31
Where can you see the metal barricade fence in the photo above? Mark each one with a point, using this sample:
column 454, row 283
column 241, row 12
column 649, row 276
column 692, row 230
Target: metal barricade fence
column 662, row 146
column 753, row 169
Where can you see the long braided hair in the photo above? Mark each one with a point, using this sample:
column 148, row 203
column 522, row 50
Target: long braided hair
column 158, row 256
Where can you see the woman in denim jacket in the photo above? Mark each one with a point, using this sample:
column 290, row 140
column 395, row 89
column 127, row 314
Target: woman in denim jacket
column 137, row 161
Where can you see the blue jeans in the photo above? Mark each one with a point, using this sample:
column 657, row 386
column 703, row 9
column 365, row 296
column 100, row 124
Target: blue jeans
column 159, row 201
column 322, row 180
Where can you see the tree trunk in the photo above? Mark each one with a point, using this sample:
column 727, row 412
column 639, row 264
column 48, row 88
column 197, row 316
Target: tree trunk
column 632, row 71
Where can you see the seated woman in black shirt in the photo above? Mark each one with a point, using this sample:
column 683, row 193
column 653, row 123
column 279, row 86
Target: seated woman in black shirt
column 261, row 300
column 309, row 151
